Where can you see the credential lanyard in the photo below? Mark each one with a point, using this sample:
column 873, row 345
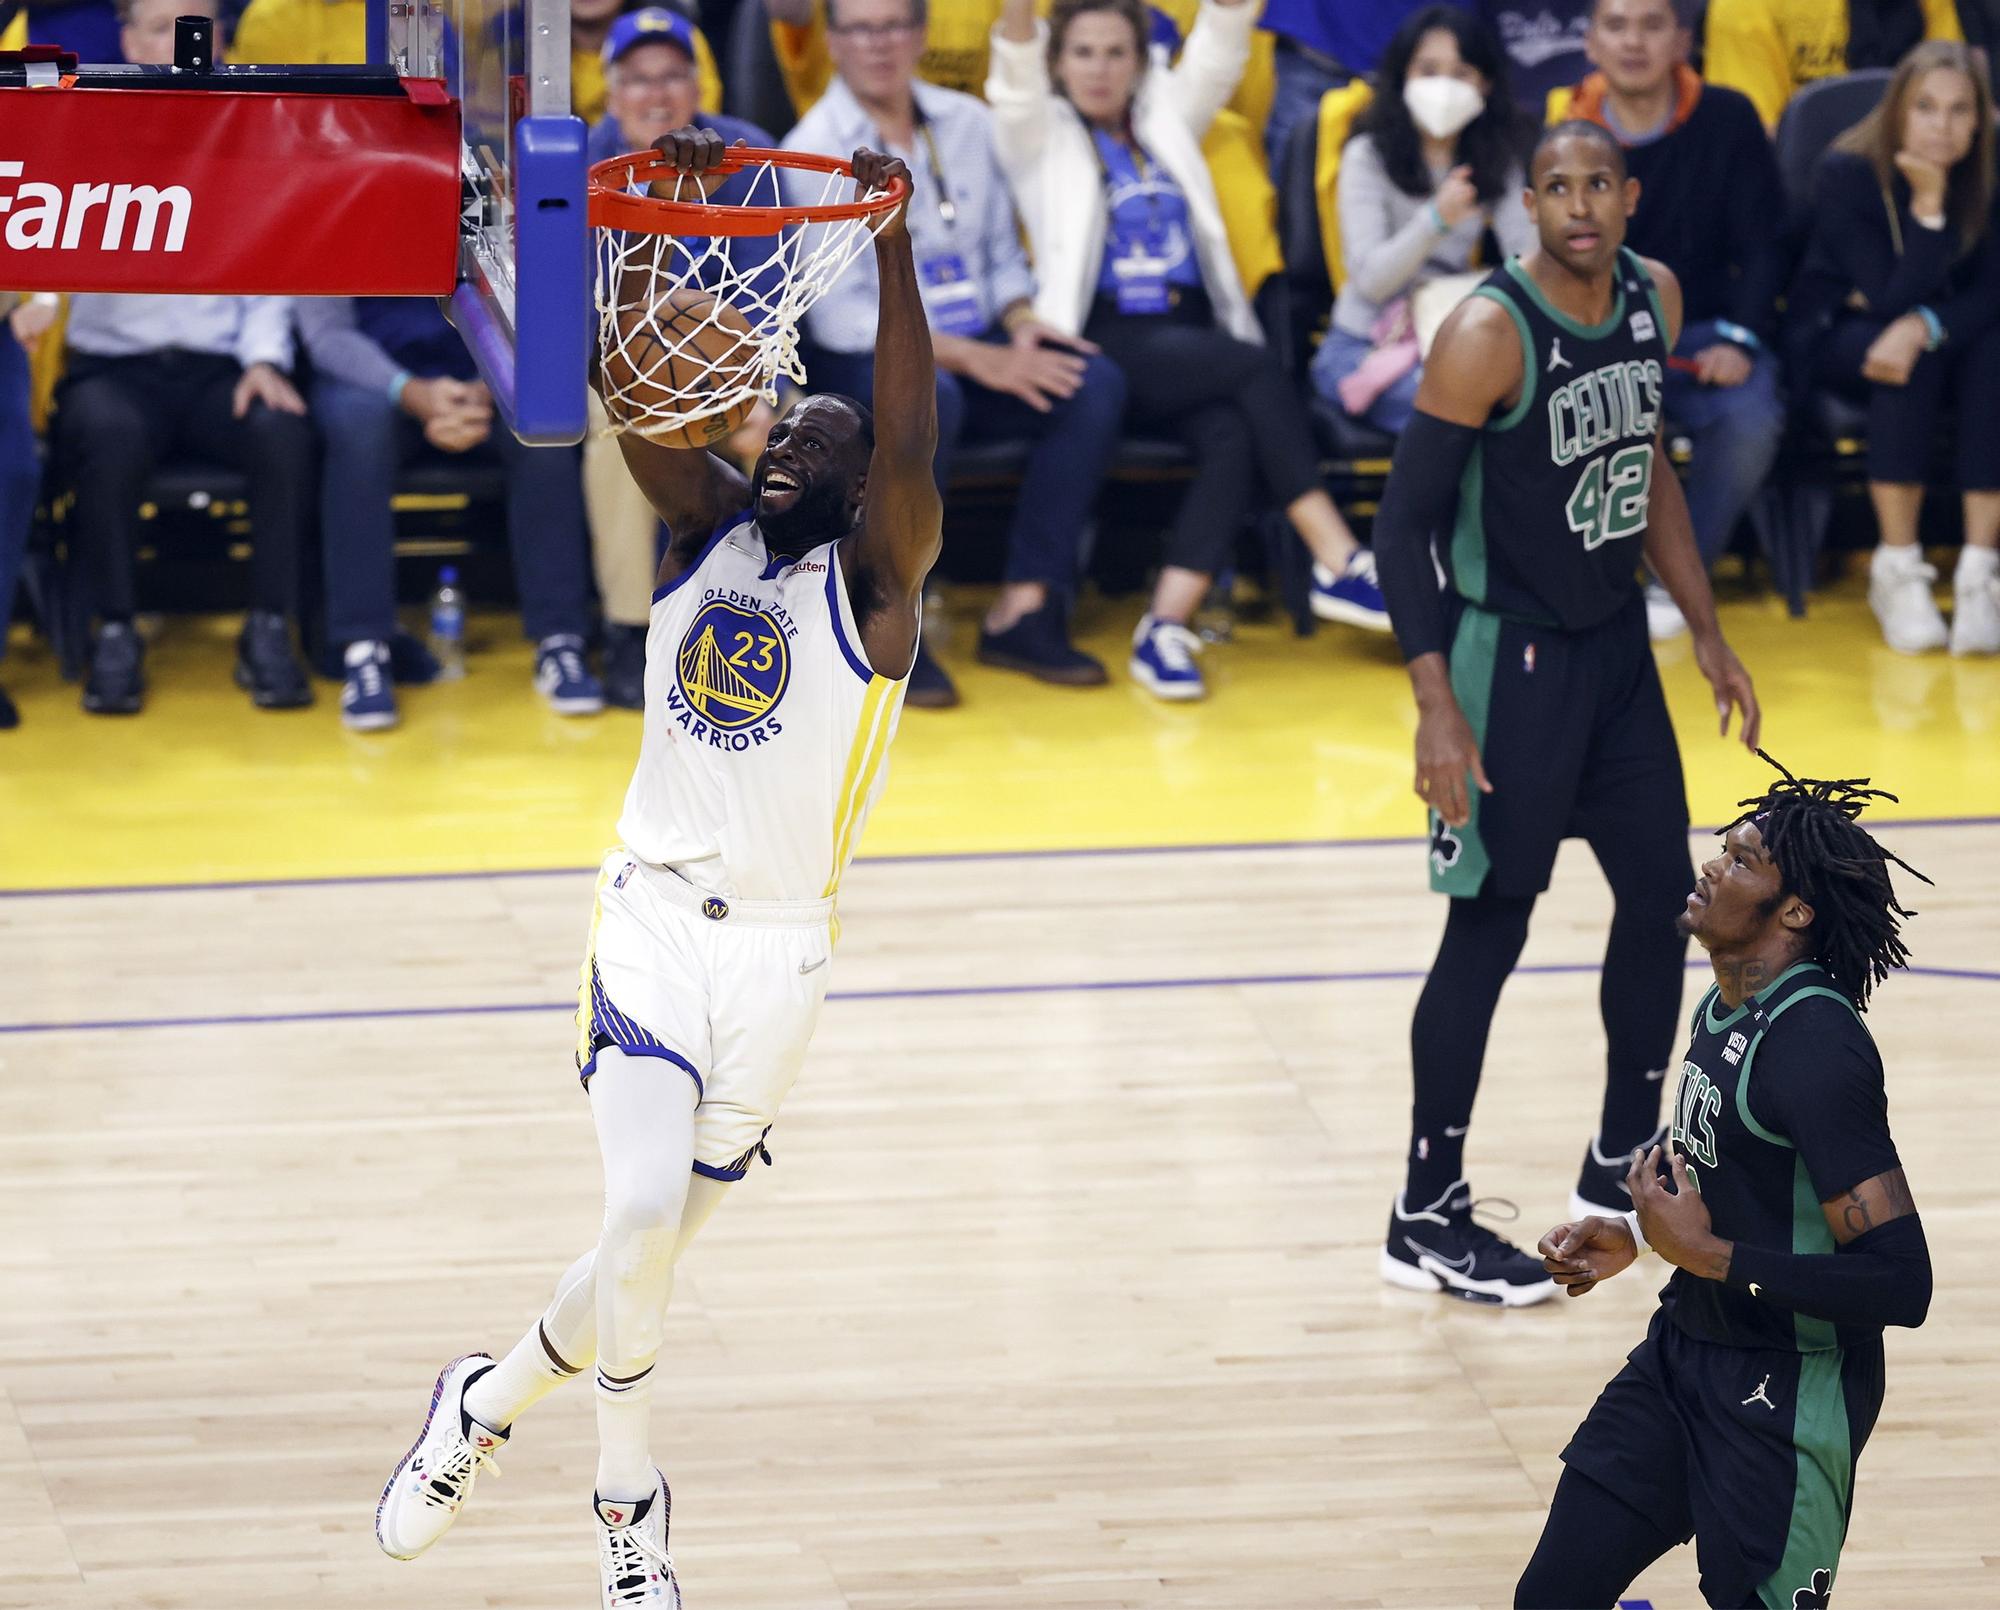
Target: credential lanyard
column 947, row 208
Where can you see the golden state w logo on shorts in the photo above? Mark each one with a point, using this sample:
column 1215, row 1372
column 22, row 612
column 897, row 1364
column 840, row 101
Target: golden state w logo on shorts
column 732, row 669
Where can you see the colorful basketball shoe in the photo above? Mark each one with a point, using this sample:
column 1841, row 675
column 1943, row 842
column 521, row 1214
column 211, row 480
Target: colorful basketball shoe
column 428, row 1489
column 633, row 1565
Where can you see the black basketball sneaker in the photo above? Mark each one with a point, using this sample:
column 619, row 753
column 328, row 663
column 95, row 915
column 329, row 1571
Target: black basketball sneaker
column 1600, row 1187
column 1440, row 1248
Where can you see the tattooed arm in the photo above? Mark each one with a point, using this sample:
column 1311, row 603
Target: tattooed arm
column 1872, row 1203
column 1880, row 1274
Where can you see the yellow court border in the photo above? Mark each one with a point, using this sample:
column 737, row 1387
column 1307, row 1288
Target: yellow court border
column 1299, row 740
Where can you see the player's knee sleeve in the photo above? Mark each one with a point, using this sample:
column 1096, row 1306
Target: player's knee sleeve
column 635, row 1277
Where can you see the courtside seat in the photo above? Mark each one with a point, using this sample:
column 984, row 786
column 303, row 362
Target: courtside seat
column 1826, row 443
column 1353, row 443
column 1358, row 454
column 207, row 506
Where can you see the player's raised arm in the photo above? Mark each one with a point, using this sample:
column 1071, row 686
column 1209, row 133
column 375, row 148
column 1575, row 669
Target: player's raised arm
column 903, row 519
column 1476, row 364
column 689, row 488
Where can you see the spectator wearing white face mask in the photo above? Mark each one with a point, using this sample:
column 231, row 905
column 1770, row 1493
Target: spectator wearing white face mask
column 1434, row 163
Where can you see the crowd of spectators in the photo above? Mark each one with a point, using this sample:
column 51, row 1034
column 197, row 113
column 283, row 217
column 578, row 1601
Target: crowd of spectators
column 1094, row 217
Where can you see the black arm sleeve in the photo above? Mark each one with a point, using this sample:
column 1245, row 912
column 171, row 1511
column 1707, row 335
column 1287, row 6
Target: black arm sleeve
column 1417, row 503
column 1818, row 1080
column 1881, row 1278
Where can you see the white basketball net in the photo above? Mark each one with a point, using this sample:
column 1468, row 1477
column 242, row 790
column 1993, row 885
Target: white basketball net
column 770, row 279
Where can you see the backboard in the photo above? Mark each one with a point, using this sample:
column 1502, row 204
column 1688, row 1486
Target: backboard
column 447, row 165
column 523, row 296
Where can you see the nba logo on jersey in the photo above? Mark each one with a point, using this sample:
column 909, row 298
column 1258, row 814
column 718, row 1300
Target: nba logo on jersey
column 1642, row 326
column 1733, row 1052
column 1528, row 659
column 624, row 873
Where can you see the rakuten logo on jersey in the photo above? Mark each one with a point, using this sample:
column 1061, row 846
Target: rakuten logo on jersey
column 45, row 217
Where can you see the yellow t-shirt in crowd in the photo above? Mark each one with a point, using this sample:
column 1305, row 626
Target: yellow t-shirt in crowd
column 1769, row 48
column 321, row 32
column 301, row 33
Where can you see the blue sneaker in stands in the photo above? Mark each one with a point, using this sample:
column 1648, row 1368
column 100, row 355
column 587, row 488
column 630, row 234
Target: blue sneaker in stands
column 1353, row 597
column 1163, row 660
column 367, row 699
column 562, row 676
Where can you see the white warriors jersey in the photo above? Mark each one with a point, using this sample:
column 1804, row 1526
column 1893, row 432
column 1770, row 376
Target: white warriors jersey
column 766, row 731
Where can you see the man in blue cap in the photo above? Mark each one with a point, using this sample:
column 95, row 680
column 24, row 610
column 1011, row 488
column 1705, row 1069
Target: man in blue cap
column 652, row 85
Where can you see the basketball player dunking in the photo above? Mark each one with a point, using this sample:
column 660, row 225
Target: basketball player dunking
column 784, row 623
column 1535, row 459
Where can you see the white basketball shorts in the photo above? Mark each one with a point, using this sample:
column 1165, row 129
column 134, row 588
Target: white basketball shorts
column 724, row 992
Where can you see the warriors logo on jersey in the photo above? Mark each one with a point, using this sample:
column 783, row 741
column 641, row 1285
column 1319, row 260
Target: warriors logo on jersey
column 733, row 664
column 766, row 730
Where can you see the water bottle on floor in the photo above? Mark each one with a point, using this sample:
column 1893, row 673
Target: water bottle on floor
column 448, row 625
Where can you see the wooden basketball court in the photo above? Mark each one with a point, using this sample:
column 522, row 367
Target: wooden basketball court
column 1061, row 1293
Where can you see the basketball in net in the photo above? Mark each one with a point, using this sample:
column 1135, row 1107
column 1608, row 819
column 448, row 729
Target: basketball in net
column 670, row 357
column 701, row 284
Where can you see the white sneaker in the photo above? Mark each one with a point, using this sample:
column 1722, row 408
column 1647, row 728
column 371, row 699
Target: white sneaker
column 1664, row 619
column 1899, row 591
column 430, row 1486
column 633, row 1565
column 1975, row 614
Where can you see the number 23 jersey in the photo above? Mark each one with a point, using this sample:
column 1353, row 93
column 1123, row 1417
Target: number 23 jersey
column 766, row 731
column 1559, row 485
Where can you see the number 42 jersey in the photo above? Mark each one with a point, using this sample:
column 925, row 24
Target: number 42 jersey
column 766, row 731
column 1558, row 485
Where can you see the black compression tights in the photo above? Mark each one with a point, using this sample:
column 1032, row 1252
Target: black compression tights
column 1593, row 1544
column 1639, row 997
column 1482, row 941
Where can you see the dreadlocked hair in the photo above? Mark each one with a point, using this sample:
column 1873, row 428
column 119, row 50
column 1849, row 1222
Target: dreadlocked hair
column 1834, row 866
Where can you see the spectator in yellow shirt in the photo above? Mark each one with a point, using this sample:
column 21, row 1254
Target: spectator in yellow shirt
column 1768, row 49
column 319, row 32
column 301, row 33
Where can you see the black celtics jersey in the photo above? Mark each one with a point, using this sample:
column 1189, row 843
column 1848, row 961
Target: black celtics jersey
column 1780, row 1107
column 1555, row 495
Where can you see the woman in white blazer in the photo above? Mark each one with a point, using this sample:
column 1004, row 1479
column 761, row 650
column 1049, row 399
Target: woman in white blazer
column 1103, row 152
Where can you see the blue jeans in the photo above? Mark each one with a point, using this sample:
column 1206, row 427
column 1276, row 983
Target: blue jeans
column 1072, row 447
column 1339, row 355
column 1735, row 431
column 20, row 471
column 367, row 439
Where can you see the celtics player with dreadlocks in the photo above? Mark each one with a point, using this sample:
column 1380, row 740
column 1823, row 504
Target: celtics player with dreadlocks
column 1782, row 1205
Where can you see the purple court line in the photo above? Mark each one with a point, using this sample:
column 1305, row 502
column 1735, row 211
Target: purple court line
column 930, row 993
column 931, row 858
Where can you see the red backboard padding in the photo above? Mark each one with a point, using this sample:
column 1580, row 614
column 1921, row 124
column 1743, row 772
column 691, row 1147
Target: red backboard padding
column 221, row 191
